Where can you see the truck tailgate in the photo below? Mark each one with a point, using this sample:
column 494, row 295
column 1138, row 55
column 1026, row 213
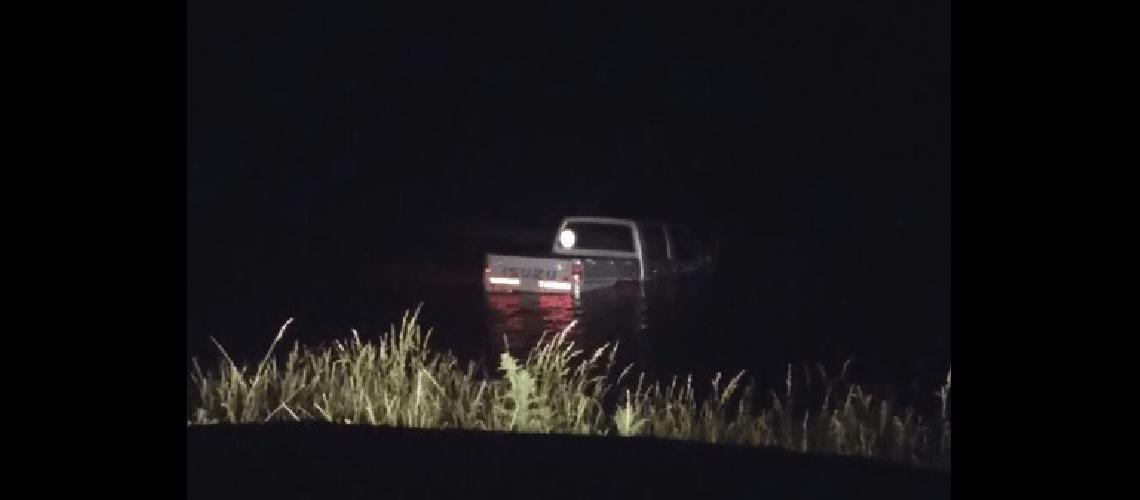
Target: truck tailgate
column 509, row 273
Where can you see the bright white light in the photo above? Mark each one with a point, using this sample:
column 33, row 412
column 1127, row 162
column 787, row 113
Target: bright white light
column 566, row 238
column 494, row 280
column 556, row 285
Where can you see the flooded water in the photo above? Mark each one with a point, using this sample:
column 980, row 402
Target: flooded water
column 721, row 323
column 768, row 302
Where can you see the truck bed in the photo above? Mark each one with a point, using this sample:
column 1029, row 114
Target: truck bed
column 535, row 274
column 553, row 273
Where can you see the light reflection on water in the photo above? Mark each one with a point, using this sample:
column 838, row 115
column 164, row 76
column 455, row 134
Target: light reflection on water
column 621, row 316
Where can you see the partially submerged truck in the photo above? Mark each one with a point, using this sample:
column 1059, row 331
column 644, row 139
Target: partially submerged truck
column 595, row 253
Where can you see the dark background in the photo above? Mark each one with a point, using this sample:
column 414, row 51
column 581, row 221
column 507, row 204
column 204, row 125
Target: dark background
column 347, row 161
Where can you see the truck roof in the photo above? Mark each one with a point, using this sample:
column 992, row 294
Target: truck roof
column 596, row 218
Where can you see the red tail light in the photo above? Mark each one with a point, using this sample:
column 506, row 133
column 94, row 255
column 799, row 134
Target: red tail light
column 576, row 277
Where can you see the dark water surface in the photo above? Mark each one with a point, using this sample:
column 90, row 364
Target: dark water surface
column 757, row 311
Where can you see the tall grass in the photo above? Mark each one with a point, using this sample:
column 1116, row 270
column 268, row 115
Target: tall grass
column 398, row 380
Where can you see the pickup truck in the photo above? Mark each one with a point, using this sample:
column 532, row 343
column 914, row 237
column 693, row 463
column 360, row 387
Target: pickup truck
column 593, row 253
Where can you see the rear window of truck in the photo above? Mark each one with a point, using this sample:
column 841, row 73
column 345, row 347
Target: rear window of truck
column 595, row 236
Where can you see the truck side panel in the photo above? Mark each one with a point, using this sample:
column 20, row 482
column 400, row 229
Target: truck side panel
column 602, row 272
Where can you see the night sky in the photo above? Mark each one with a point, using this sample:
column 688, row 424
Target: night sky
column 812, row 137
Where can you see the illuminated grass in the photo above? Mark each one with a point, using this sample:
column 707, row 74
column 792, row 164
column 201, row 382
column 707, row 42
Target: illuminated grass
column 398, row 380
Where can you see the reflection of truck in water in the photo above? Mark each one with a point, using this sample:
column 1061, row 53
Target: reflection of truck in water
column 594, row 253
